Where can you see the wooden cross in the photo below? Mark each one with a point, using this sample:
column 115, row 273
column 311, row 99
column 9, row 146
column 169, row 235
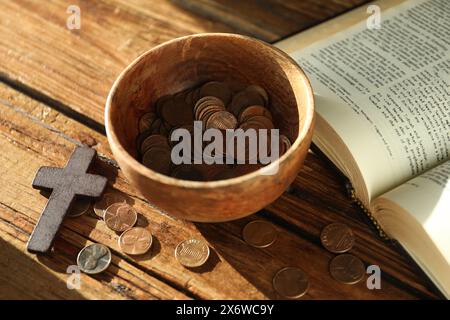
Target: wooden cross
column 66, row 184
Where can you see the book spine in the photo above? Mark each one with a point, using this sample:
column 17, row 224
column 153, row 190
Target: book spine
column 352, row 194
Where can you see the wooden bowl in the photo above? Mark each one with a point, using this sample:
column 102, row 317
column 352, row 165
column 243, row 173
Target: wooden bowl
column 186, row 62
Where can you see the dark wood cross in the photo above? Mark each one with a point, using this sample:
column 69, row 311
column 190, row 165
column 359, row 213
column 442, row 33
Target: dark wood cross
column 66, row 184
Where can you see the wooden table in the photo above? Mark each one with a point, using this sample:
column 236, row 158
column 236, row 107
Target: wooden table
column 54, row 82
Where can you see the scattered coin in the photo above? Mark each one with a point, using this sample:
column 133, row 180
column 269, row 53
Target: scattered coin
column 80, row 207
column 105, row 201
column 120, row 217
column 337, row 238
column 135, row 241
column 94, row 258
column 259, row 234
column 291, row 283
column 192, row 253
column 347, row 268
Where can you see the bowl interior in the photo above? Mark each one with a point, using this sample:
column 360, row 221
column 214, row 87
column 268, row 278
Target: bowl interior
column 193, row 60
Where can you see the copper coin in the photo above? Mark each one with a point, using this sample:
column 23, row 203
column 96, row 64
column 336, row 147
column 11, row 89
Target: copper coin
column 291, row 283
column 135, row 241
column 259, row 122
column 222, row 120
column 285, row 144
column 189, row 128
column 259, row 234
column 79, row 207
column 244, row 99
column 337, row 238
column 158, row 159
column 347, row 268
column 105, row 201
column 260, row 91
column 195, row 96
column 153, row 140
column 187, row 172
column 178, row 113
column 205, row 113
column 146, row 121
column 159, row 105
column 120, row 217
column 252, row 111
column 205, row 102
column 156, row 126
column 192, row 253
column 216, row 89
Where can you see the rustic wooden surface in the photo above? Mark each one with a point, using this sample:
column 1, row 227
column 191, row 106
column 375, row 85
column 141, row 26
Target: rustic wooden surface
column 53, row 88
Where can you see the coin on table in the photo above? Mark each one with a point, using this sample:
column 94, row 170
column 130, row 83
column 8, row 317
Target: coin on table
column 80, row 207
column 290, row 282
column 259, row 234
column 105, row 201
column 347, row 268
column 337, row 238
column 120, row 217
column 135, row 241
column 94, row 258
column 192, row 253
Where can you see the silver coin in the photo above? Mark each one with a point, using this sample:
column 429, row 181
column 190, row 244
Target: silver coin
column 80, row 207
column 94, row 258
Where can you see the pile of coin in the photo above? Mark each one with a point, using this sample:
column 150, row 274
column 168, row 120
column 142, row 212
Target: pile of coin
column 217, row 105
column 346, row 268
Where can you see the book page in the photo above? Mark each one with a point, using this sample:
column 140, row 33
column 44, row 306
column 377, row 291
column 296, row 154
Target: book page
column 417, row 214
column 427, row 199
column 386, row 91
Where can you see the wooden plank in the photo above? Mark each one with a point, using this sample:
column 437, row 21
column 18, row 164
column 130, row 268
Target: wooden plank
column 74, row 70
column 325, row 196
column 77, row 68
column 268, row 20
column 27, row 144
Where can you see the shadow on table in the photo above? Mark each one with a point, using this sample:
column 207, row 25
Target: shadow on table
column 22, row 277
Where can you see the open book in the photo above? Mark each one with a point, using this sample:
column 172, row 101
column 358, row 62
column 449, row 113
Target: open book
column 382, row 93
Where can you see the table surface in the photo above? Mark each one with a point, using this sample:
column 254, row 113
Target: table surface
column 53, row 85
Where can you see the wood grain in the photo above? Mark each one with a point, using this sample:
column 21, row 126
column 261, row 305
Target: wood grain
column 268, row 20
column 68, row 73
column 229, row 273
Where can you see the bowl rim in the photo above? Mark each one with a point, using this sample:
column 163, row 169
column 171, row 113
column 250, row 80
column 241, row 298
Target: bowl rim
column 164, row 179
